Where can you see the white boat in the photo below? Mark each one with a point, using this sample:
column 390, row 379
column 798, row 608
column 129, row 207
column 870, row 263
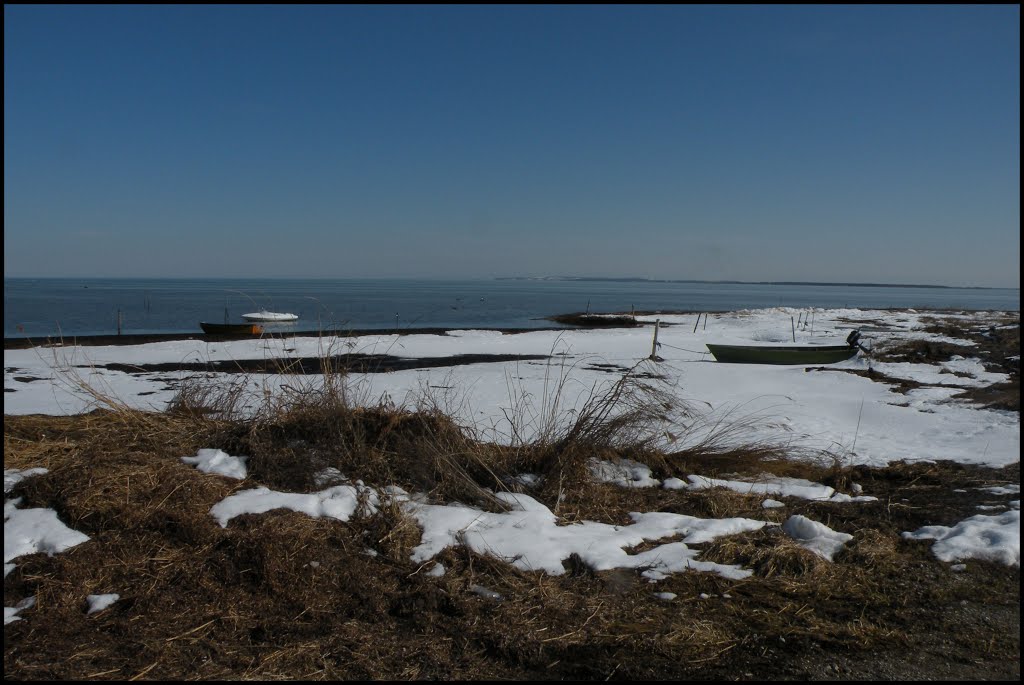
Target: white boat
column 269, row 316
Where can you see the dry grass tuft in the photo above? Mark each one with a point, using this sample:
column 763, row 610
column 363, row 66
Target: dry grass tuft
column 769, row 553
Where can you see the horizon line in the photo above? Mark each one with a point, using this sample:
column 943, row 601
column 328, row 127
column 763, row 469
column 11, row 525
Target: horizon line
column 619, row 279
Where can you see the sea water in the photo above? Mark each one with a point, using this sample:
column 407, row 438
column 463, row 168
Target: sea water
column 76, row 307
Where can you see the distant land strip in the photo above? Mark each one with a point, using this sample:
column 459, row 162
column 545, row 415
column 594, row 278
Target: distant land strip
column 631, row 279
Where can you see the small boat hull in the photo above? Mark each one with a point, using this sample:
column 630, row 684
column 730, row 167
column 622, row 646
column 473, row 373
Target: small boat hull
column 239, row 329
column 782, row 354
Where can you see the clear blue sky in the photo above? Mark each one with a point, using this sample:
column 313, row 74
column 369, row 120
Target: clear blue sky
column 839, row 143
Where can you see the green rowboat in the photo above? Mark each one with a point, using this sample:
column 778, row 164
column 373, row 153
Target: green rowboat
column 782, row 354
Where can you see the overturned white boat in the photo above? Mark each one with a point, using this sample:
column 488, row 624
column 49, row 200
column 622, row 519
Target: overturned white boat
column 269, row 316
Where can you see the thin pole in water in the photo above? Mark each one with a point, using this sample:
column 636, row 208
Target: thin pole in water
column 119, row 322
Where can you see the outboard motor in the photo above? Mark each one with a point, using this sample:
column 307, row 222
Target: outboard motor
column 853, row 340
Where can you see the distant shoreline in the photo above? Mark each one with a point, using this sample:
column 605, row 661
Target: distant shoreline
column 627, row 279
column 567, row 279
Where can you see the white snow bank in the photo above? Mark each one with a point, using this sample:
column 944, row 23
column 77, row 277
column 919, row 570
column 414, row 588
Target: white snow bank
column 815, row 536
column 14, row 476
column 219, row 462
column 101, row 602
column 29, row 531
column 338, row 502
column 994, row 538
column 530, row 538
column 784, row 487
column 11, row 613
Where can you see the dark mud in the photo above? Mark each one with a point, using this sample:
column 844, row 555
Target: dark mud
column 354, row 363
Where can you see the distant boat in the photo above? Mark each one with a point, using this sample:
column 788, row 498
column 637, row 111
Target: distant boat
column 787, row 354
column 239, row 329
column 269, row 316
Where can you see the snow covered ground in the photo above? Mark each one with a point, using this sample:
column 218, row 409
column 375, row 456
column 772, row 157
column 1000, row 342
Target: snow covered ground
column 853, row 417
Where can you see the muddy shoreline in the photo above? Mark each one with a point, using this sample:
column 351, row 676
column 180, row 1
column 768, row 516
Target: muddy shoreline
column 350, row 363
column 143, row 338
column 557, row 322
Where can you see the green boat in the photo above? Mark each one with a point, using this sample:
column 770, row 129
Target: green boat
column 787, row 354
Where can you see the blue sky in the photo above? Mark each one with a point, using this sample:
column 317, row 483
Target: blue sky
column 817, row 143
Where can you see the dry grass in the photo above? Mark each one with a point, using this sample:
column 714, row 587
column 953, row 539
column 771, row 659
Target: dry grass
column 285, row 596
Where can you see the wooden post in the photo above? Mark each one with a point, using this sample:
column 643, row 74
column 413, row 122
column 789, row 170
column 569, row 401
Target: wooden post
column 793, row 326
column 696, row 322
column 654, row 345
column 705, row 321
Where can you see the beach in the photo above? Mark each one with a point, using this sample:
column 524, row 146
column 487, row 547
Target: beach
column 836, row 401
column 523, row 481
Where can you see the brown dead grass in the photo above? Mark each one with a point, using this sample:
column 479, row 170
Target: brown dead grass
column 285, row 596
column 996, row 344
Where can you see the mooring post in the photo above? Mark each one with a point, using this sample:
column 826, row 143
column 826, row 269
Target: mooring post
column 654, row 345
column 119, row 322
column 793, row 326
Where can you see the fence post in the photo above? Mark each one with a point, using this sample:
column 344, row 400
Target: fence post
column 654, row 345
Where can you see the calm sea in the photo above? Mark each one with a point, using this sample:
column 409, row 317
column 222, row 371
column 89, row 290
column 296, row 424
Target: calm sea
column 73, row 307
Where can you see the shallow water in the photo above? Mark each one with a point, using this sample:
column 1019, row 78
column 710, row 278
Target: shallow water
column 72, row 307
